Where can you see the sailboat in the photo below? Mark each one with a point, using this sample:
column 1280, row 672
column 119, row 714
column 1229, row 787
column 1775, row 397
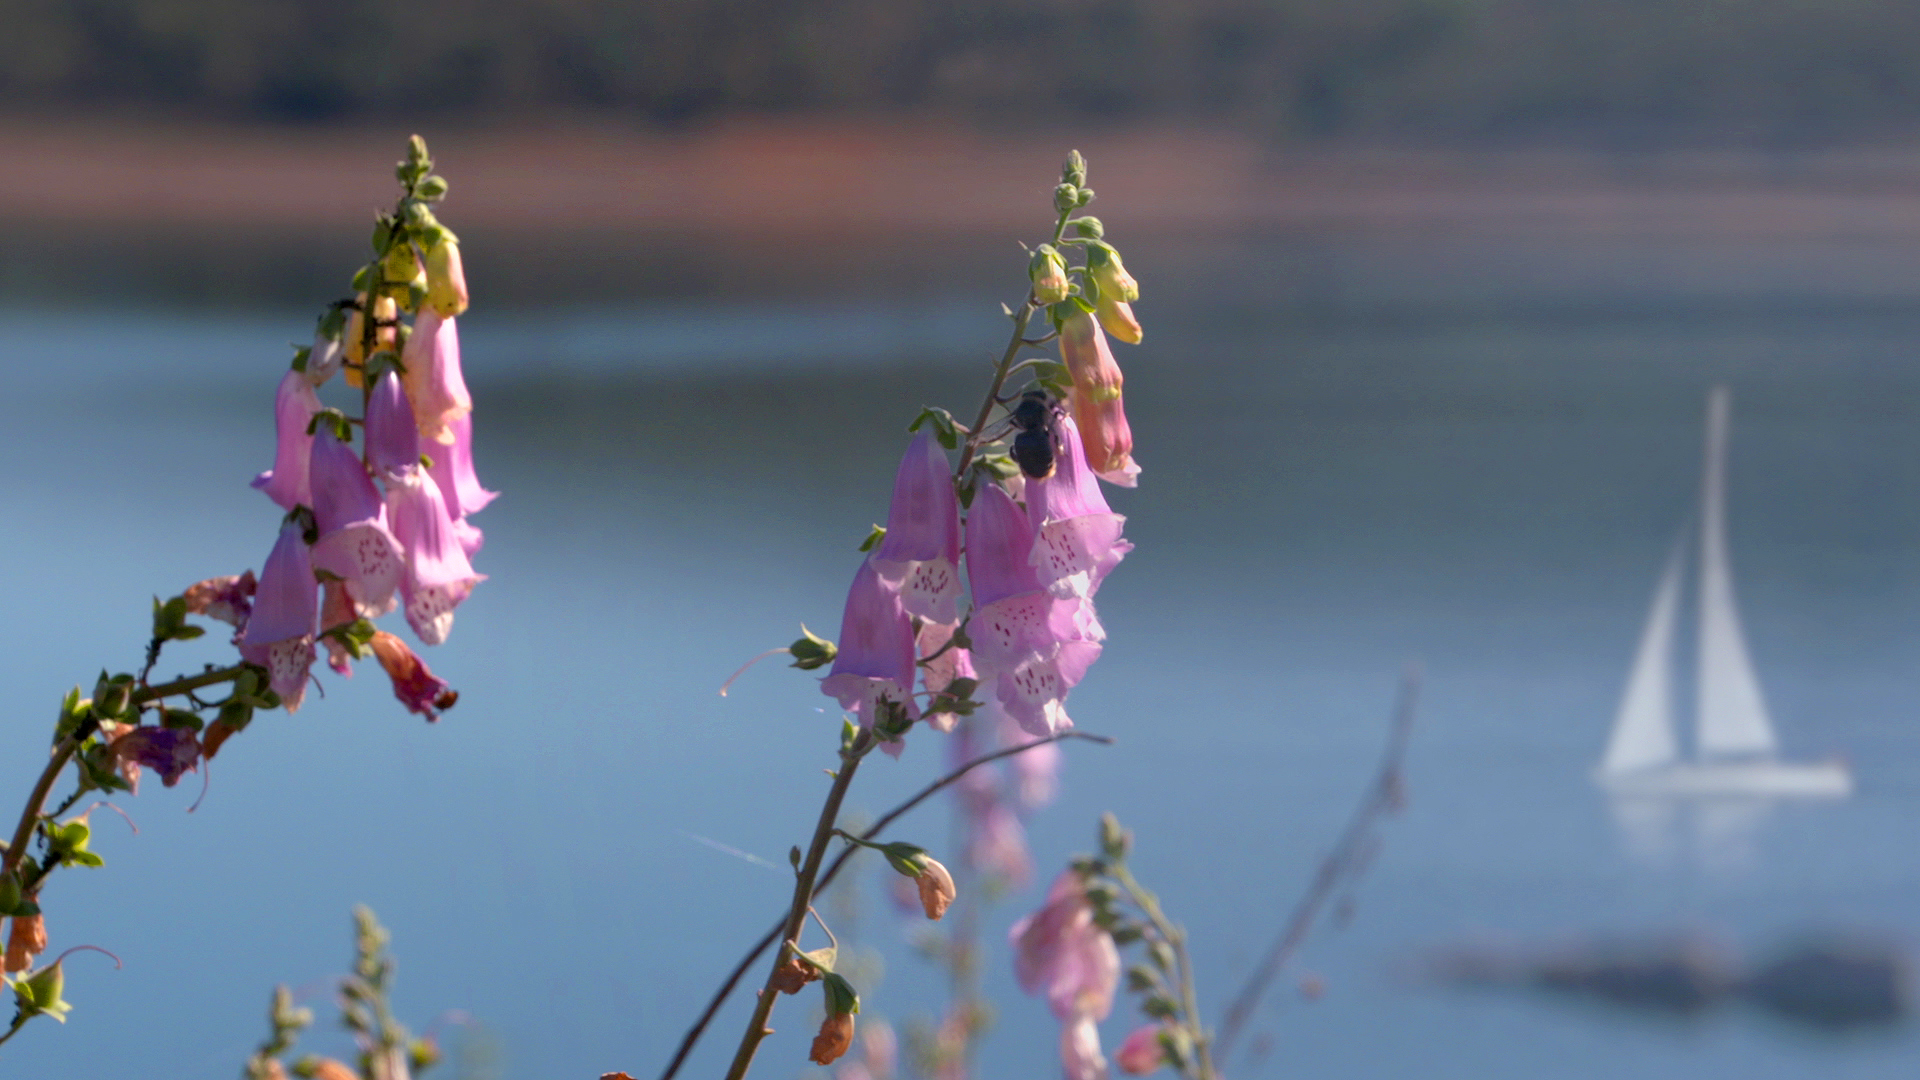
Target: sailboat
column 1734, row 751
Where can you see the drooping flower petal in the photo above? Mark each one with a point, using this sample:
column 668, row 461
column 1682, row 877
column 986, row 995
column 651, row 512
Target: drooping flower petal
column 414, row 684
column 920, row 554
column 336, row 610
column 873, row 673
column 435, row 385
column 293, row 407
column 438, row 576
column 279, row 636
column 452, row 469
column 1079, row 537
column 938, row 674
column 1080, row 1050
column 393, row 445
column 355, row 544
column 228, row 599
column 171, row 752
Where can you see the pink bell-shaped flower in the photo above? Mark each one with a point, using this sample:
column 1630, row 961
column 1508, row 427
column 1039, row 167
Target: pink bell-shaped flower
column 435, row 385
column 437, row 575
column 355, row 543
column 920, row 555
column 873, row 673
column 293, row 407
column 279, row 634
column 1034, row 645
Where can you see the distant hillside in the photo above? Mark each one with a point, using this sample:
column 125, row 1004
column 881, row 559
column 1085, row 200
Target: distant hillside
column 1616, row 72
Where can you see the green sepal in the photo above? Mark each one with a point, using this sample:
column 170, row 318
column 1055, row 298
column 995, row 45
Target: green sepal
column 1115, row 841
column 945, row 428
column 1141, row 977
column 822, row 958
column 1160, row 1007
column 333, row 323
column 849, row 731
column 301, row 354
column 811, row 651
column 1161, row 954
column 432, row 189
column 1178, row 1043
column 181, row 719
column 1088, row 228
column 873, row 539
column 842, row 999
column 382, row 362
column 1128, row 933
column 337, row 419
column 363, row 277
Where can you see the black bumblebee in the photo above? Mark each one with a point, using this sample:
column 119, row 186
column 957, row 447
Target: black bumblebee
column 1037, row 417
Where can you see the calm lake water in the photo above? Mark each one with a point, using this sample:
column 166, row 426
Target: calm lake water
column 1473, row 453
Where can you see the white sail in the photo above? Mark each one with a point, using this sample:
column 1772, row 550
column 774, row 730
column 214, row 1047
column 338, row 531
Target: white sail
column 1731, row 713
column 1643, row 731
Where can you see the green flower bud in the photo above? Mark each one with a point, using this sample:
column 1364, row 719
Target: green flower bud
column 9, row 893
column 41, row 992
column 1075, row 170
column 1114, row 840
column 1048, row 272
column 1088, row 228
column 812, row 651
column 1066, row 197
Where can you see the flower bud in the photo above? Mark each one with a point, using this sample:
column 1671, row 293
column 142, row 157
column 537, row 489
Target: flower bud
column 9, row 892
column 446, row 279
column 1075, row 170
column 1117, row 317
column 1066, row 197
column 328, row 1069
column 1142, row 1053
column 1104, row 265
column 26, row 939
column 1048, row 272
column 399, row 264
column 41, row 992
column 1088, row 228
column 811, row 650
column 936, row 888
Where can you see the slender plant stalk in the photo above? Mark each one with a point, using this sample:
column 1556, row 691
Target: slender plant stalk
column 13, row 1029
column 1176, row 938
column 732, row 980
column 30, row 817
column 803, row 884
column 1014, row 344
column 67, row 747
column 1381, row 797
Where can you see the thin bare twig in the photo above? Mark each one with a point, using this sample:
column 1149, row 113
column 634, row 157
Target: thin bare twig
column 766, row 940
column 1341, row 866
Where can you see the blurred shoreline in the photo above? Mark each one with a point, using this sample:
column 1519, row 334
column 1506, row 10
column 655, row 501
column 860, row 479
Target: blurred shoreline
column 886, row 178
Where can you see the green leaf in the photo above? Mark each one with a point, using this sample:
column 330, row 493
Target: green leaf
column 873, row 539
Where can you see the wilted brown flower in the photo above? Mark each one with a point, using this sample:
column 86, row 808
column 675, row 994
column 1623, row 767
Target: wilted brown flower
column 836, row 1036
column 936, row 888
column 26, row 938
column 792, row 974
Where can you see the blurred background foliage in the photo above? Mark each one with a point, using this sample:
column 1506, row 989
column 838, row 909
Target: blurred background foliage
column 1625, row 73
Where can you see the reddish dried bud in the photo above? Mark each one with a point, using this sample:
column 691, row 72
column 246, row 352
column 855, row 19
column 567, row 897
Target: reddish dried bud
column 835, row 1038
column 217, row 733
column 26, row 938
column 936, row 888
column 413, row 682
column 792, row 974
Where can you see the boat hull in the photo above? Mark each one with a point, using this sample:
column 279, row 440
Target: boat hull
column 1818, row 780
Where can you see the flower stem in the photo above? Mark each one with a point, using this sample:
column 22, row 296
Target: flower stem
column 212, row 677
column 1174, row 936
column 30, row 817
column 802, row 898
column 732, row 980
column 1014, row 343
column 19, row 1022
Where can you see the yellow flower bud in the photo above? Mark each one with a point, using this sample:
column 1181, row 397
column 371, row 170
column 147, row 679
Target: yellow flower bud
column 446, row 279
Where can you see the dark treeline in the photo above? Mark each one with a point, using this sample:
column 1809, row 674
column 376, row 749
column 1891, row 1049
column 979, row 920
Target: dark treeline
column 1614, row 70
